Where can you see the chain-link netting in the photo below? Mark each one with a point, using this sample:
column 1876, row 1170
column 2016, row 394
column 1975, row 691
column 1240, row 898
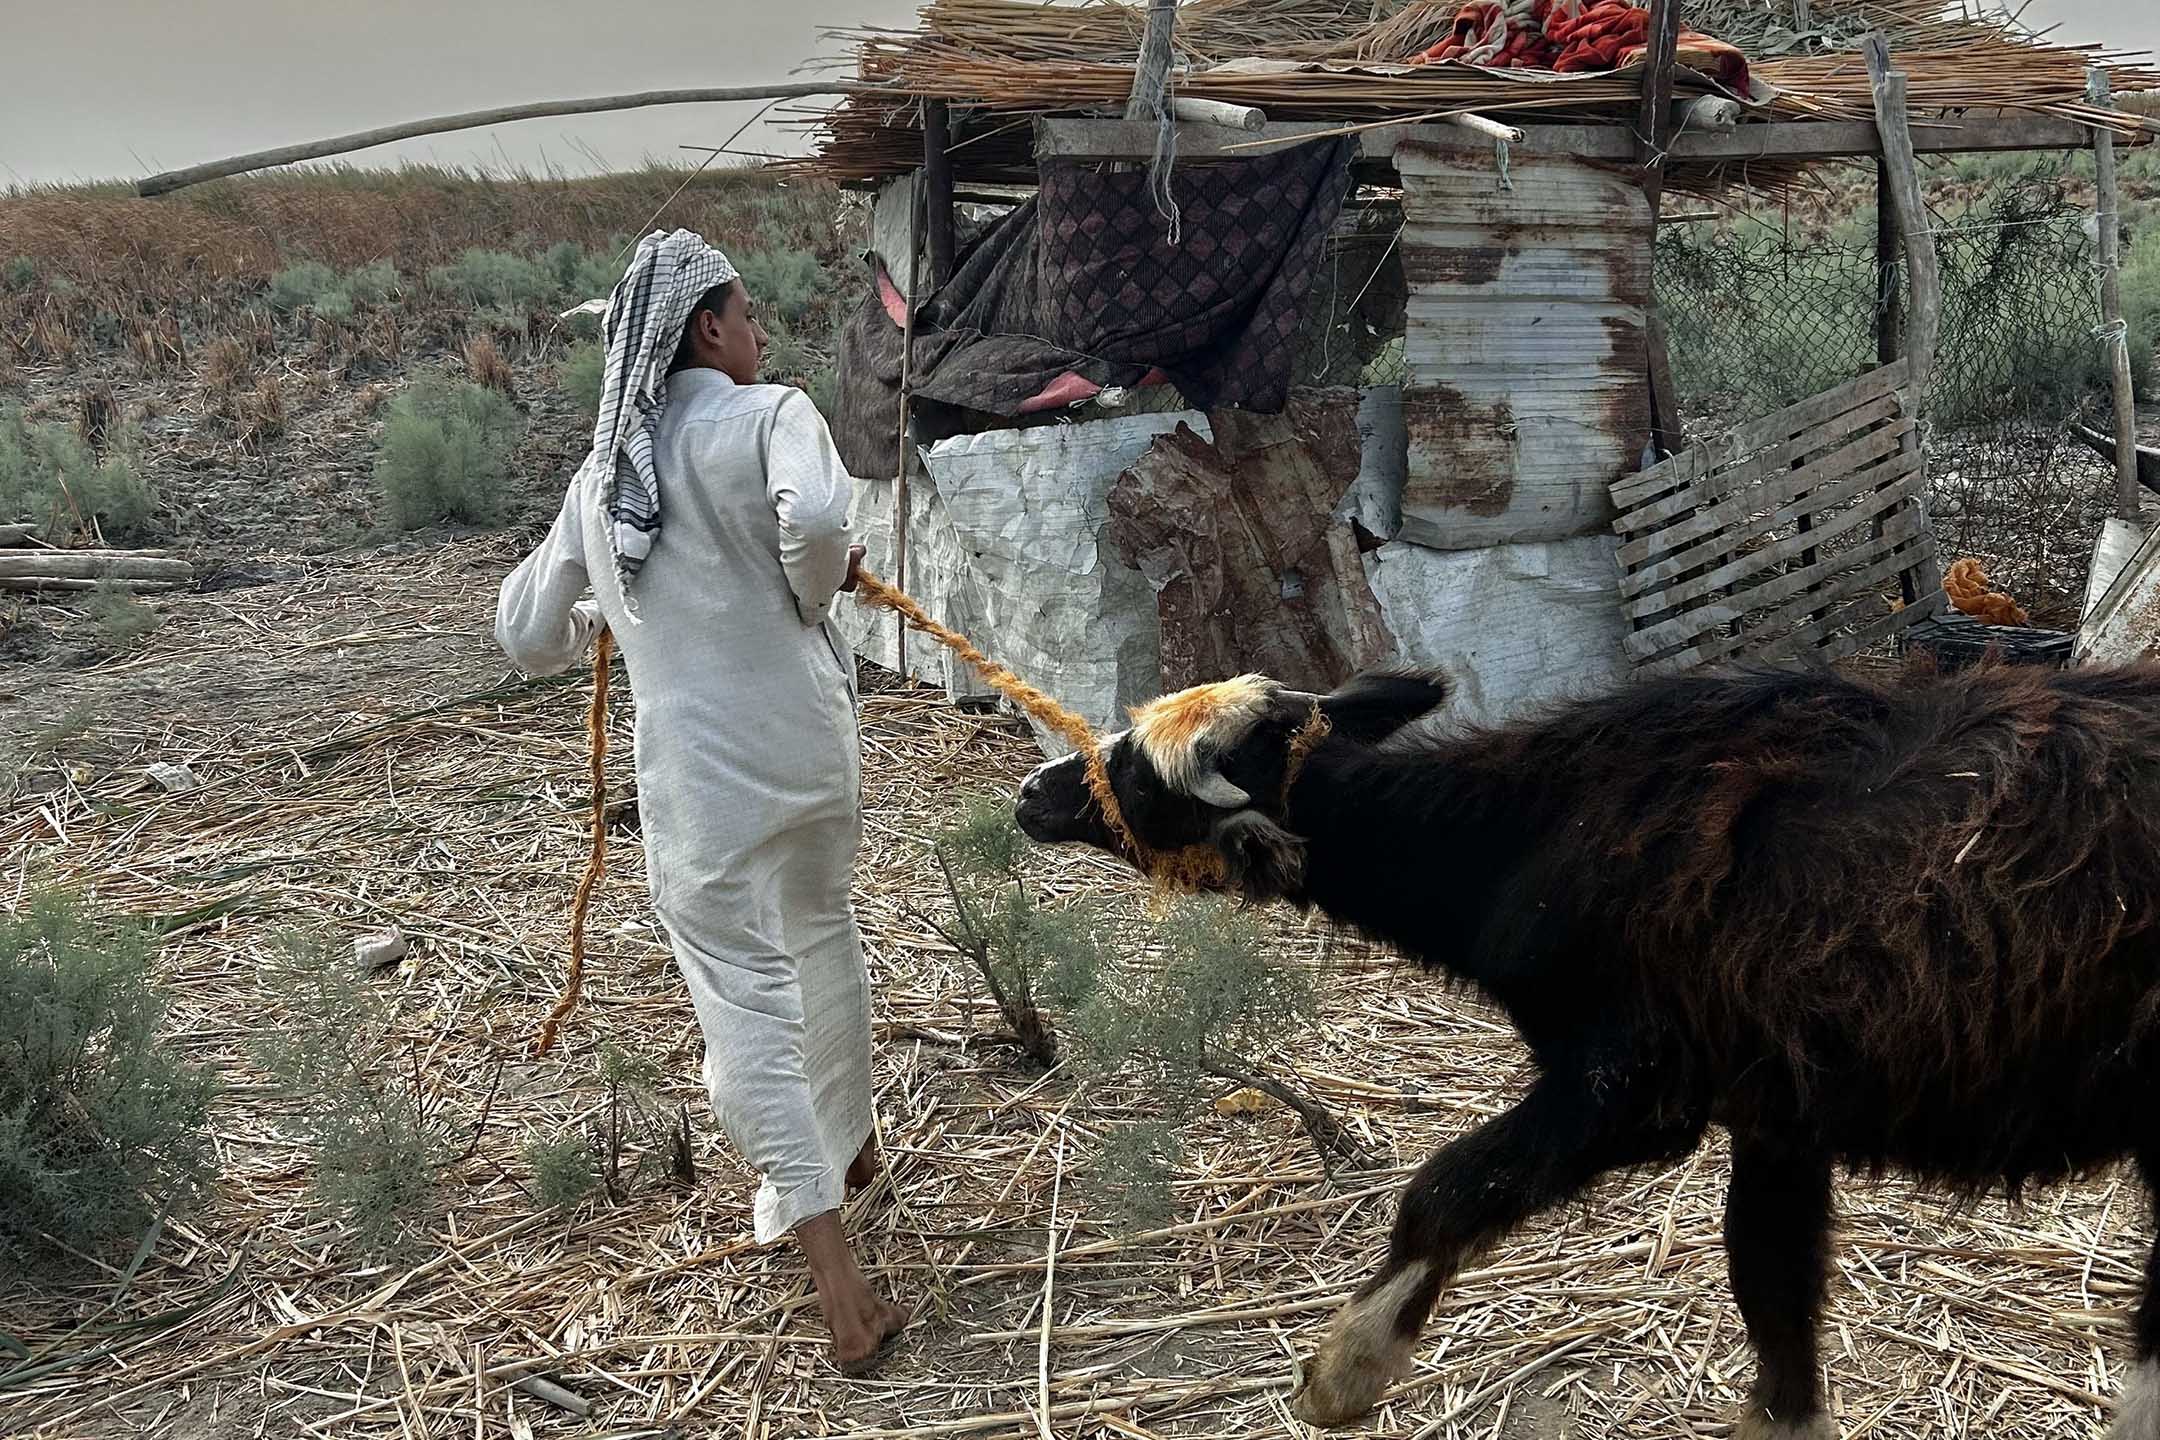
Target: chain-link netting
column 1353, row 320
column 1757, row 321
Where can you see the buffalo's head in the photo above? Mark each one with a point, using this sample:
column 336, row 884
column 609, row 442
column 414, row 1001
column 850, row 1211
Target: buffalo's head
column 1206, row 766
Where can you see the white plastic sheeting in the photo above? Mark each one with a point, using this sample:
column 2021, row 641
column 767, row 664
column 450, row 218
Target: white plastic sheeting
column 1004, row 545
column 937, row 574
column 1511, row 626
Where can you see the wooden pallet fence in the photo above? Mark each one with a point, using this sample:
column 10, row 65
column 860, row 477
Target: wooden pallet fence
column 1796, row 535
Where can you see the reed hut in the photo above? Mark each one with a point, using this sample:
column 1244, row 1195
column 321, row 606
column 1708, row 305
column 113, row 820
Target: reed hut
column 1077, row 391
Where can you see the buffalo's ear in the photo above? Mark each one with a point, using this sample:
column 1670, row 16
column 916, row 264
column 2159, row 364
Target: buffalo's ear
column 1265, row 861
column 1371, row 707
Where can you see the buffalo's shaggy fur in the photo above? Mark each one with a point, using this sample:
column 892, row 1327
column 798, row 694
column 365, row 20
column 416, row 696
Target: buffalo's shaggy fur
column 1903, row 926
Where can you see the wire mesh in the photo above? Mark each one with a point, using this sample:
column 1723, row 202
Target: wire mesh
column 1758, row 321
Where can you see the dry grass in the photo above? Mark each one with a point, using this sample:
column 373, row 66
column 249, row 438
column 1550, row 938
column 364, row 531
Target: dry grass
column 97, row 413
column 259, row 415
column 485, row 365
column 226, row 364
column 369, row 760
column 196, row 260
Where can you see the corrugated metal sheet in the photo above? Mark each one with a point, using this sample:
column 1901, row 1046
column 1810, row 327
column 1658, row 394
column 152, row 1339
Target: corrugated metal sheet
column 1526, row 392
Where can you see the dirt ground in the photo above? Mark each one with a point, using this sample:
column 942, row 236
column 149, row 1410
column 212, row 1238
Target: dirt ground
column 367, row 757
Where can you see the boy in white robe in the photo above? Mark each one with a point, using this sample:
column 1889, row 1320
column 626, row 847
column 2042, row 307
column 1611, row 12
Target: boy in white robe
column 748, row 762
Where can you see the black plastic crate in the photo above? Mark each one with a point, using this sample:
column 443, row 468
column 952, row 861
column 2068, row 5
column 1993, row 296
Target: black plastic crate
column 1957, row 640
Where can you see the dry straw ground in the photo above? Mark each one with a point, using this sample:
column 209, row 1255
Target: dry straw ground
column 369, row 759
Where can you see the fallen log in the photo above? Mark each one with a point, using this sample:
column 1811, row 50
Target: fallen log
column 2148, row 456
column 16, row 534
column 32, row 584
column 93, row 565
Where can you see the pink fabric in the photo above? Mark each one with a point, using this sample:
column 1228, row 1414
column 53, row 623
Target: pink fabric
column 1071, row 389
column 889, row 295
column 1067, row 389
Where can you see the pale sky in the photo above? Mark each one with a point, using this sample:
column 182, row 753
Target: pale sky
column 98, row 89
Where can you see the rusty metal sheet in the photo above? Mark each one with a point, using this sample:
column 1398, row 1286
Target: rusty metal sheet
column 1527, row 392
column 1239, row 537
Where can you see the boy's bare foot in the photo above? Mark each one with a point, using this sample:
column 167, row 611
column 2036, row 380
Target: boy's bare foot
column 862, row 1324
column 864, row 1167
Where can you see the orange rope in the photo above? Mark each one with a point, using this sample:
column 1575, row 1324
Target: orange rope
column 1186, row 868
column 596, row 862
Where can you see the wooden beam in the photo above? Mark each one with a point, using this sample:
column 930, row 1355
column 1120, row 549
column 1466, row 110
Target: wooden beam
column 473, row 119
column 1781, row 140
column 2109, row 202
column 902, row 493
column 1216, row 112
column 938, row 190
column 1924, row 320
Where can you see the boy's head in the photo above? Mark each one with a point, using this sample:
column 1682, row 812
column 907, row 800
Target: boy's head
column 722, row 334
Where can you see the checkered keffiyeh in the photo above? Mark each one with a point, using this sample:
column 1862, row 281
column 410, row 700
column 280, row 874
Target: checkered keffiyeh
column 644, row 325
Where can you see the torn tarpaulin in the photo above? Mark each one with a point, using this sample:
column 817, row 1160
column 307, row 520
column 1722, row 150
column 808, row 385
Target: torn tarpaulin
column 1079, row 289
column 1252, row 571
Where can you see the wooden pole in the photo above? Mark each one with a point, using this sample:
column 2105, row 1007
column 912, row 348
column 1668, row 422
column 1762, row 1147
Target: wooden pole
column 1893, row 125
column 2117, row 336
column 938, row 190
column 1654, row 127
column 902, row 487
column 92, row 565
column 1249, row 118
column 1153, row 69
column 473, row 119
column 1923, row 320
column 1889, row 307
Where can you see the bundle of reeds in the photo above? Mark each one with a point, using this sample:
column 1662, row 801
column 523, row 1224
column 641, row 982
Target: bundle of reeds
column 1010, row 61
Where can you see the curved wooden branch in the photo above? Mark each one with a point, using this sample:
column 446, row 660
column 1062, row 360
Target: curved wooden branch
column 473, row 119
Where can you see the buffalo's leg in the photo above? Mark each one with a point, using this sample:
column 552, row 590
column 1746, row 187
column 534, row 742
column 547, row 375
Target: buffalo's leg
column 2137, row 1411
column 1563, row 1135
column 1777, row 1239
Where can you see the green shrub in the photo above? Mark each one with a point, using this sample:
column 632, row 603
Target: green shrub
column 122, row 620
column 21, row 273
column 782, row 283
column 445, row 454
column 564, row 1171
column 1201, row 1006
column 584, row 370
column 372, row 283
column 495, row 279
column 99, row 1123
column 334, row 1056
column 582, row 274
column 334, row 305
column 2141, row 309
column 302, row 285
column 50, row 478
